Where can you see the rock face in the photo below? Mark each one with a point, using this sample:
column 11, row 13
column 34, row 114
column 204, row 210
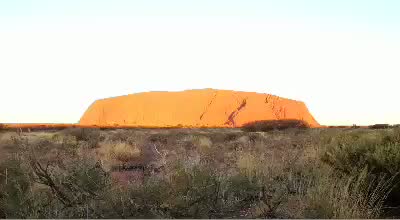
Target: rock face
column 193, row 108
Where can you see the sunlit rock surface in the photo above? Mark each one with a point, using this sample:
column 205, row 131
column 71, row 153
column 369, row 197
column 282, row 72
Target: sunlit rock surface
column 193, row 108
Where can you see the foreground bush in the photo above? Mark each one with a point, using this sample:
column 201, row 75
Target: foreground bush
column 377, row 153
column 356, row 196
column 351, row 153
column 48, row 180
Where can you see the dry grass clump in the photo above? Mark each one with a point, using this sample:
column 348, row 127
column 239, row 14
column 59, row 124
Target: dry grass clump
column 204, row 144
column 116, row 152
column 92, row 136
column 124, row 152
column 250, row 165
column 270, row 125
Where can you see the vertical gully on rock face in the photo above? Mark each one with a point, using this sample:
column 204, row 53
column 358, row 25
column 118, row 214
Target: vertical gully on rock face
column 232, row 116
column 268, row 98
column 102, row 118
column 284, row 113
column 277, row 111
column 208, row 106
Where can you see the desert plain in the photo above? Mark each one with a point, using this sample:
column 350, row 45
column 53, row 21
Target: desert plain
column 199, row 154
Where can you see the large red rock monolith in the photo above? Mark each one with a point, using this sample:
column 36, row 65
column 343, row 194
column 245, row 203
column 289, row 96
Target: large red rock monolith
column 194, row 108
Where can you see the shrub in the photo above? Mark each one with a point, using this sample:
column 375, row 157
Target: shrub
column 355, row 196
column 200, row 192
column 197, row 192
column 124, row 152
column 49, row 180
column 352, row 152
column 15, row 188
column 274, row 125
column 137, row 201
column 379, row 154
column 92, row 136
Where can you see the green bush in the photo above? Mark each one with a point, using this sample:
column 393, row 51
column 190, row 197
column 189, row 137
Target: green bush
column 352, row 152
column 197, row 192
column 378, row 153
column 354, row 196
column 15, row 185
column 48, row 180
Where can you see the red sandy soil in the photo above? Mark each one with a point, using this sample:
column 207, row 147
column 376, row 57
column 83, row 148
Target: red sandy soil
column 193, row 108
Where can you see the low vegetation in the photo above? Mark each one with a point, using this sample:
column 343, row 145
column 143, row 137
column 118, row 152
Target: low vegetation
column 270, row 125
column 379, row 126
column 201, row 173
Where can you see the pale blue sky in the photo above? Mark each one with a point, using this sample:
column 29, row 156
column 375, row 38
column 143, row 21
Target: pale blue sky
column 340, row 57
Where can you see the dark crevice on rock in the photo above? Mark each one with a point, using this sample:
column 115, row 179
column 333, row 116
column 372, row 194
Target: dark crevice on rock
column 208, row 106
column 232, row 116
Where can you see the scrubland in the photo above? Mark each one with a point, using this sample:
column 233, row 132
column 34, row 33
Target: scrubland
column 200, row 173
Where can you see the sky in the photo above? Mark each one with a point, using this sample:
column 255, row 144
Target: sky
column 341, row 57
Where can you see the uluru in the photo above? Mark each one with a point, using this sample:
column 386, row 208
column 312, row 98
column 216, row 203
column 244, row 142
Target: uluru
column 194, row 108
